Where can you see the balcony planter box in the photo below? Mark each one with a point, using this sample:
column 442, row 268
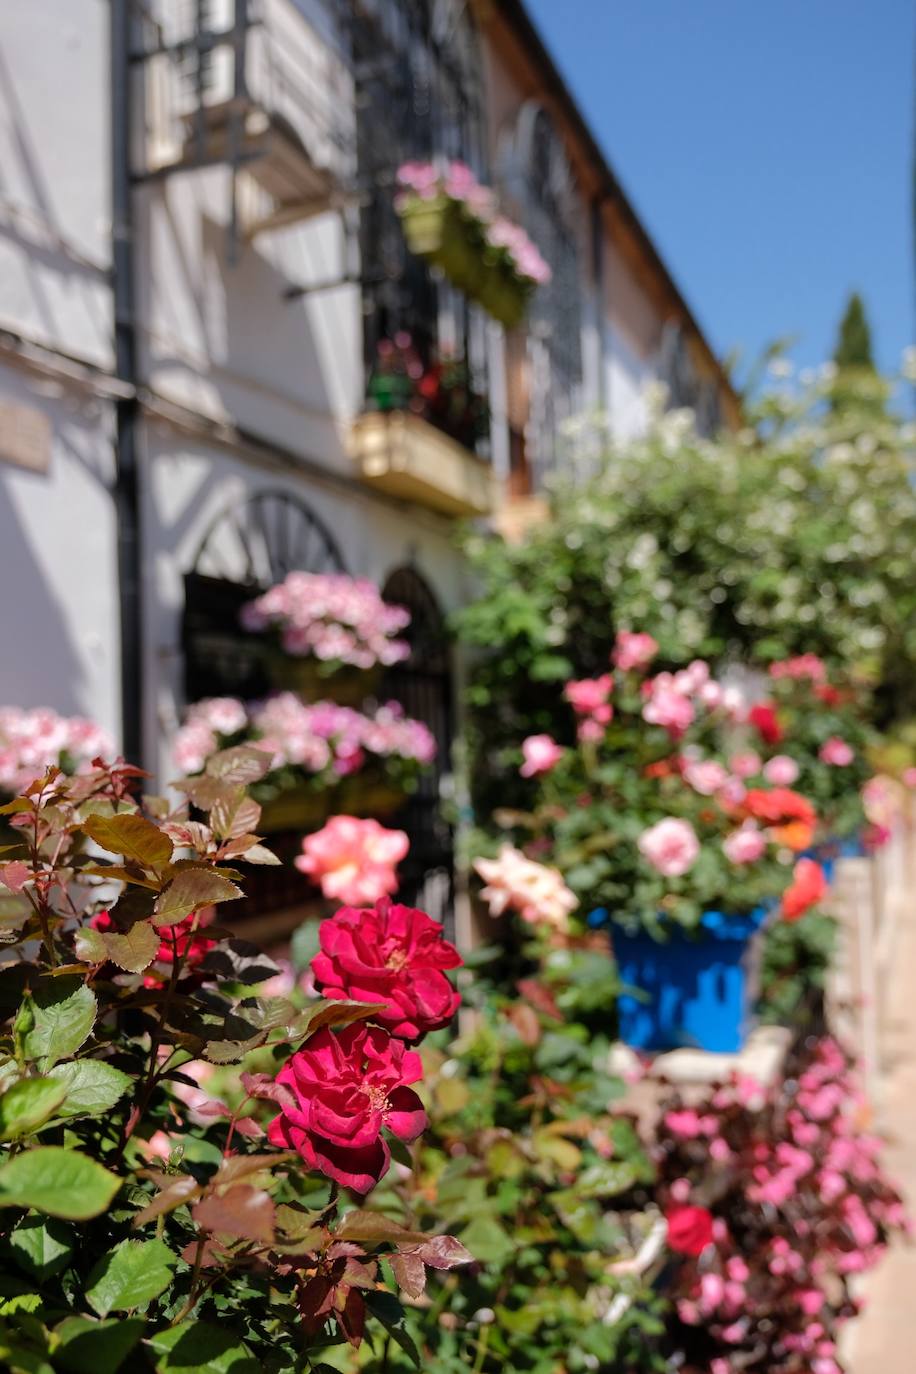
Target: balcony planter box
column 437, row 231
column 346, row 685
column 505, row 297
column 405, row 456
column 367, row 796
column 698, row 991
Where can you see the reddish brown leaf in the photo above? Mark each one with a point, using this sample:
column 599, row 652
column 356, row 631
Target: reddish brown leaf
column 410, row 1272
column 443, row 1252
column 243, row 1211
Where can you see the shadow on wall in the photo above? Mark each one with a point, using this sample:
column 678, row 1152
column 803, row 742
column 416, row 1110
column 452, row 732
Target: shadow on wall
column 39, row 662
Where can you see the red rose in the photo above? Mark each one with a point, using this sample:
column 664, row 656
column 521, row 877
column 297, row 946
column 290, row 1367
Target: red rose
column 766, row 722
column 689, row 1229
column 392, row 954
column 345, row 1088
column 808, row 887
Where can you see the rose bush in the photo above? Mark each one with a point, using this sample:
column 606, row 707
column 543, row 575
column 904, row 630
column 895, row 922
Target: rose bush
column 183, row 1130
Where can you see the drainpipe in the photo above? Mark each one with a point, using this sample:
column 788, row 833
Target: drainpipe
column 127, row 414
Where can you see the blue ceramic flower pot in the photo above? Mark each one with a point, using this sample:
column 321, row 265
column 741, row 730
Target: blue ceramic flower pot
column 827, row 853
column 697, row 991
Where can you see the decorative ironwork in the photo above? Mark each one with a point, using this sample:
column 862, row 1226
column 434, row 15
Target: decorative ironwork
column 249, row 546
column 423, row 686
column 418, row 96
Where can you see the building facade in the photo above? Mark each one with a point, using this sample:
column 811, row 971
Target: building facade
column 203, row 275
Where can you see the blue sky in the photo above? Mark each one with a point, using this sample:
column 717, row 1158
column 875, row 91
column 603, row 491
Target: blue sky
column 767, row 146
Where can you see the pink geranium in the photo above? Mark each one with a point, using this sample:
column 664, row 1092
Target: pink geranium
column 781, row 770
column 540, row 753
column 671, row 846
column 633, row 651
column 836, row 752
column 745, row 846
column 353, row 860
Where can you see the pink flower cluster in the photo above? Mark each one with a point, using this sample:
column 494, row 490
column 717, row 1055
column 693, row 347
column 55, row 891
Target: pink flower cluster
column 318, row 738
column 458, row 183
column 590, row 699
column 633, row 650
column 671, row 847
column 332, row 617
column 32, row 741
column 805, row 1207
column 805, row 667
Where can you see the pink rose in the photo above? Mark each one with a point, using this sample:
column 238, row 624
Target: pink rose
column 670, row 846
column 344, row 1089
column 589, row 695
column 745, row 846
column 632, row 651
column 394, row 955
column 667, row 706
column 541, row 753
column 746, row 764
column 837, row 752
column 353, row 860
column 705, row 776
column 781, row 771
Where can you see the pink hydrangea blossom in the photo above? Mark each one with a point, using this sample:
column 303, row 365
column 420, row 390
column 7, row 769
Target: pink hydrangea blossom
column 781, row 770
column 670, row 846
column 633, row 651
column 746, row 845
column 541, row 753
column 836, row 752
column 353, row 860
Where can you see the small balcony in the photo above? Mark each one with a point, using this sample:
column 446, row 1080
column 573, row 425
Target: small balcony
column 268, row 95
column 400, row 453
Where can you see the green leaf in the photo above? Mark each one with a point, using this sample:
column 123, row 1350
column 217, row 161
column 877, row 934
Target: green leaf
column 92, row 1087
column 58, row 1182
column 96, row 1347
column 27, row 1105
column 42, row 1247
column 487, row 1240
column 129, row 1276
column 63, row 1013
column 190, row 890
column 193, row 1346
column 133, row 836
column 135, row 950
column 386, row 1308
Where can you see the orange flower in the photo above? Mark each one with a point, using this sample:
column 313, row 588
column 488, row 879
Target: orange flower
column 795, row 835
column 807, row 888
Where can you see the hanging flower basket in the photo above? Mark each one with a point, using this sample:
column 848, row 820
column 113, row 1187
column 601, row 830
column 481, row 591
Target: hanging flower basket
column 690, row 991
column 297, row 808
column 452, row 221
column 310, row 680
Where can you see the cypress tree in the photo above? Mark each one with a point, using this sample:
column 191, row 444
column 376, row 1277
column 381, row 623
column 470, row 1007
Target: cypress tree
column 853, row 348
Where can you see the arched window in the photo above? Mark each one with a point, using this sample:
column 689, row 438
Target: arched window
column 423, row 686
column 250, row 545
